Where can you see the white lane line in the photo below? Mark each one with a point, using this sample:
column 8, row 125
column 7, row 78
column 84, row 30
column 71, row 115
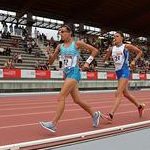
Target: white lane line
column 66, row 120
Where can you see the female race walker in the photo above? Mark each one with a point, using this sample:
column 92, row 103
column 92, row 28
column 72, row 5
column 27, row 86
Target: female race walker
column 70, row 54
column 120, row 54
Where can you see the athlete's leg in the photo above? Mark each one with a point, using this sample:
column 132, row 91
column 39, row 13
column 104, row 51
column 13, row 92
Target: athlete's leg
column 130, row 97
column 140, row 106
column 122, row 83
column 77, row 99
column 67, row 87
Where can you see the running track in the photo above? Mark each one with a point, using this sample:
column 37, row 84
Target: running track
column 20, row 115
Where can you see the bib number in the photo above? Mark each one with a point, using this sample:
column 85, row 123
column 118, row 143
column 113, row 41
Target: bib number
column 117, row 58
column 67, row 61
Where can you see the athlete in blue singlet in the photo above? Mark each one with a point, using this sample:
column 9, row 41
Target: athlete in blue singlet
column 120, row 54
column 70, row 56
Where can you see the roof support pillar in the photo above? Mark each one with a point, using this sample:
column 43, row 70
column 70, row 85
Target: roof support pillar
column 29, row 23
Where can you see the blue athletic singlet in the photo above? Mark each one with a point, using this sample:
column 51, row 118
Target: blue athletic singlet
column 70, row 57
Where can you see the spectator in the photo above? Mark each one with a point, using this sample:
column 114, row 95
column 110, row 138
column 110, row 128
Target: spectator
column 11, row 29
column 8, row 51
column 29, row 47
column 37, row 53
column 19, row 58
column 35, row 33
column 37, row 65
column 2, row 50
column 43, row 65
column 146, row 66
column 15, row 43
column 15, row 57
column 8, row 35
column 33, row 44
column 9, row 64
column 55, row 69
column 92, row 68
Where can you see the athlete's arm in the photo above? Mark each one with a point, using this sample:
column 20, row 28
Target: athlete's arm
column 107, row 55
column 91, row 49
column 55, row 54
column 132, row 49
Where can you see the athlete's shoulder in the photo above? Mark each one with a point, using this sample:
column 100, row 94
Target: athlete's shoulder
column 128, row 46
column 79, row 43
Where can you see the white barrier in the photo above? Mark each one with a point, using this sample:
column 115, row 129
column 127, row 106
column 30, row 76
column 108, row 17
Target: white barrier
column 73, row 136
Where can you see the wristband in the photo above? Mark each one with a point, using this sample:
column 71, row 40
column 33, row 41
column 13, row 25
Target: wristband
column 90, row 59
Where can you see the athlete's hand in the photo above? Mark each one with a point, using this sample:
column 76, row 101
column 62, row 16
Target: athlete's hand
column 132, row 64
column 86, row 66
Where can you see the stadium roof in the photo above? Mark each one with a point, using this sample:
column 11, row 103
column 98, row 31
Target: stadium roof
column 131, row 16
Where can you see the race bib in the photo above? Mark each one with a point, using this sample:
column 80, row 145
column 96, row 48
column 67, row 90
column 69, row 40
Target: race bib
column 118, row 58
column 67, row 60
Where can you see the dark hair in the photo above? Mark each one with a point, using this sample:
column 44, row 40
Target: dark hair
column 121, row 33
column 69, row 27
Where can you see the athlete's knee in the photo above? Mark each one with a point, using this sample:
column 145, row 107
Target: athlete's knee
column 61, row 97
column 77, row 101
column 118, row 94
column 125, row 94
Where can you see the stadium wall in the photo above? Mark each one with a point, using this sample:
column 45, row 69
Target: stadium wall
column 16, row 80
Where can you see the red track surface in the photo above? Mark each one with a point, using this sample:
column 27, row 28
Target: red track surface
column 20, row 115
